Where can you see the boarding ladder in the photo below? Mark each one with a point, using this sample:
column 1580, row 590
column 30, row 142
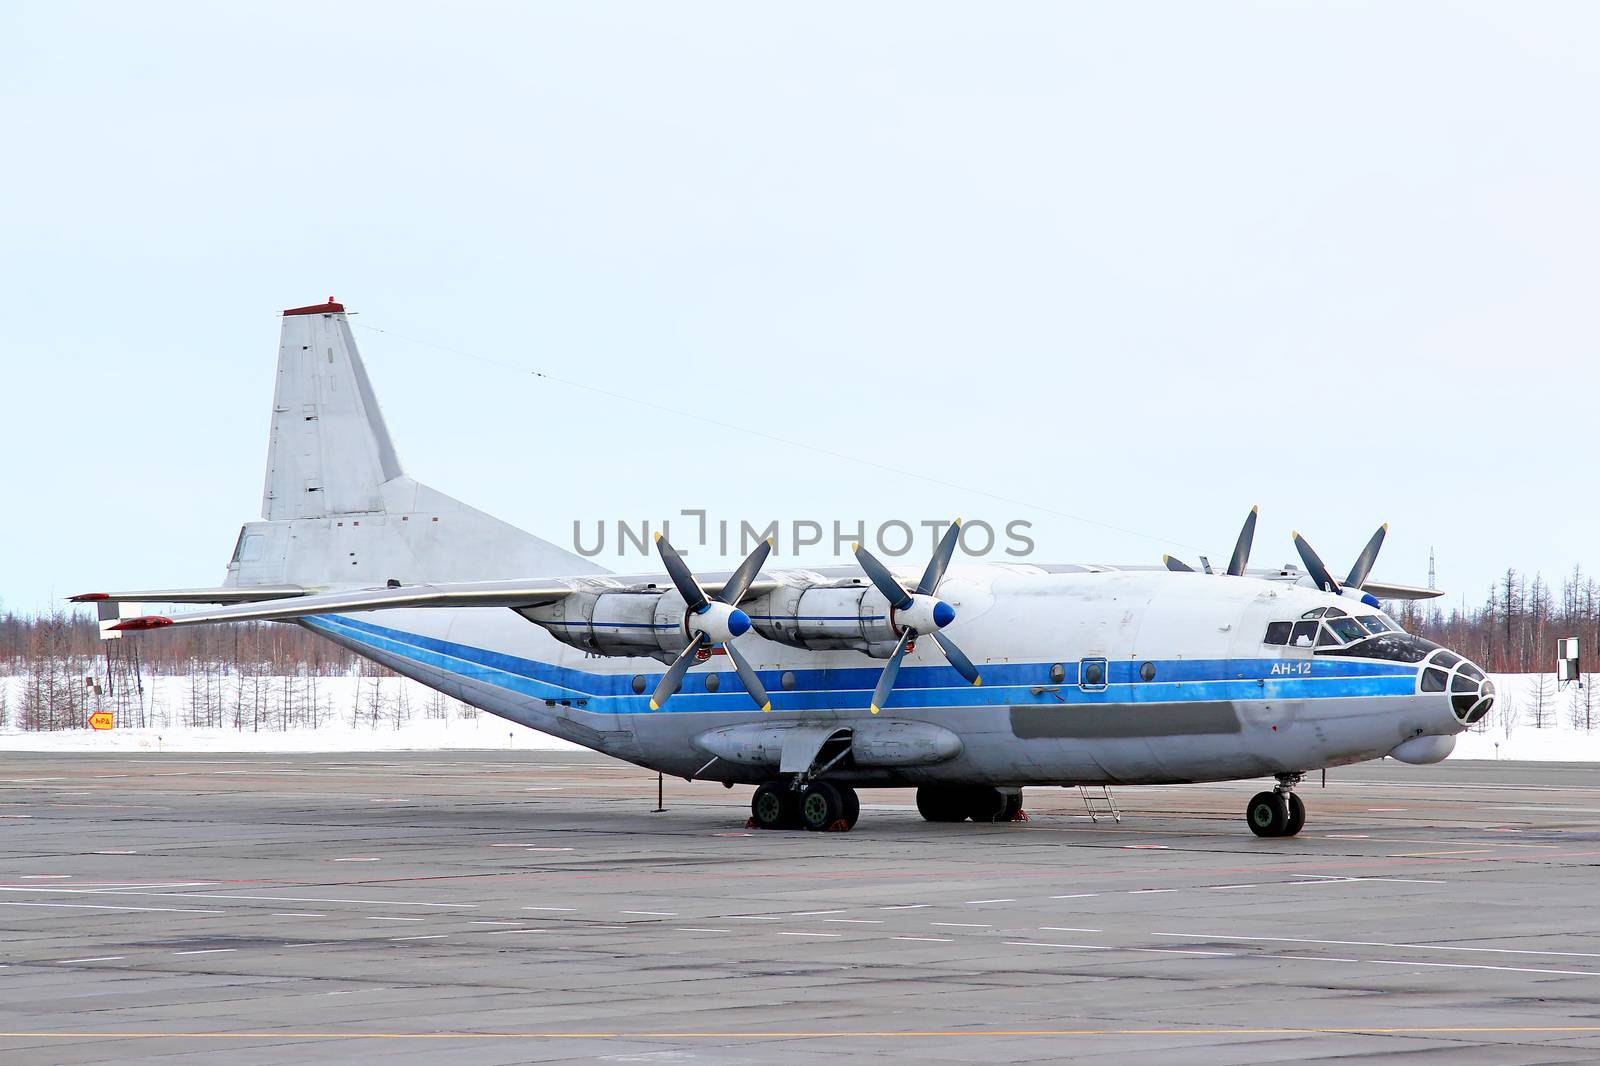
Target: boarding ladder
column 1099, row 803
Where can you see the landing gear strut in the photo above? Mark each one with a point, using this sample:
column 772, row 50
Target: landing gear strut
column 1279, row 813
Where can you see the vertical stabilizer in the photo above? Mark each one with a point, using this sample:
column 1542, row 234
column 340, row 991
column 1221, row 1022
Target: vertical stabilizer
column 338, row 510
column 329, row 452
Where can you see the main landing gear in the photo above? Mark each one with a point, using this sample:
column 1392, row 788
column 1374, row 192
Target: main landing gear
column 981, row 803
column 1279, row 813
column 820, row 806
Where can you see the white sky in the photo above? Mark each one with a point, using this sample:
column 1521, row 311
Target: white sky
column 1144, row 263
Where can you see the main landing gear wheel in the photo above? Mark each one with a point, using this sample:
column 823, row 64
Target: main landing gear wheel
column 1275, row 814
column 775, row 806
column 821, row 806
column 941, row 804
column 851, row 812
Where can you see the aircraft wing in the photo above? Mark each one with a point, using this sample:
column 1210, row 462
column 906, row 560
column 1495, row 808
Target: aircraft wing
column 218, row 595
column 1398, row 592
column 458, row 594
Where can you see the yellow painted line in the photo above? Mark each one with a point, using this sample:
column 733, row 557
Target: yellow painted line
column 779, row 1034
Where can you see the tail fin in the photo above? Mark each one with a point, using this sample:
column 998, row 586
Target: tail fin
column 338, row 510
column 330, row 452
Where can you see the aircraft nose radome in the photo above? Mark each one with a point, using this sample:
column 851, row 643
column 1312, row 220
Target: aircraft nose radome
column 943, row 614
column 738, row 622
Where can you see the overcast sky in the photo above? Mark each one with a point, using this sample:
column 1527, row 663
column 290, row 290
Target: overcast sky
column 1143, row 264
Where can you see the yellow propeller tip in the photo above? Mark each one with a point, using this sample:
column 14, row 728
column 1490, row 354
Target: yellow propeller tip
column 1386, row 527
column 958, row 520
column 772, row 542
column 654, row 706
column 1164, row 559
column 658, row 535
column 1255, row 508
column 1294, row 535
column 766, row 707
column 977, row 681
column 874, row 708
column 855, row 547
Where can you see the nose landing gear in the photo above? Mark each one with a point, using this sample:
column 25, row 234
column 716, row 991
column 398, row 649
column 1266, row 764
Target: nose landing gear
column 1279, row 813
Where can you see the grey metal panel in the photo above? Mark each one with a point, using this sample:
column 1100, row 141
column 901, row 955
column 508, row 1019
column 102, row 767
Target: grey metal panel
column 1124, row 720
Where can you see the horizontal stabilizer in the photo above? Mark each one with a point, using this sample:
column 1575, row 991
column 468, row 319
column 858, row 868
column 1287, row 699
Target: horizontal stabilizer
column 218, row 595
column 460, row 594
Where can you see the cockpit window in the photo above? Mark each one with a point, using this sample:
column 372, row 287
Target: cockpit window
column 1278, row 632
column 1346, row 629
column 1373, row 623
column 1305, row 634
column 1395, row 647
column 1327, row 639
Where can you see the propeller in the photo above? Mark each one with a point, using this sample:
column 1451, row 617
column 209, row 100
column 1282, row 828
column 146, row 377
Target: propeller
column 917, row 612
column 1358, row 573
column 710, row 621
column 1241, row 551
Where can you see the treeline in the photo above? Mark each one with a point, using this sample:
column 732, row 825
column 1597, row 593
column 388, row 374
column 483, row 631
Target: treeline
column 1515, row 628
column 55, row 672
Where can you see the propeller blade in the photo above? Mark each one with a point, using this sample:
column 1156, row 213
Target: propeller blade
column 682, row 579
column 892, row 591
column 1177, row 566
column 752, row 683
column 891, row 670
column 1319, row 573
column 1241, row 550
column 674, row 675
column 1368, row 556
column 941, row 559
column 739, row 583
column 958, row 658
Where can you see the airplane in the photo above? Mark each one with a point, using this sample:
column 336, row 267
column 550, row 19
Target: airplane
column 967, row 681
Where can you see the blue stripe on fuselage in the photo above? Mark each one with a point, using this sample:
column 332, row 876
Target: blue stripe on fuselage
column 844, row 688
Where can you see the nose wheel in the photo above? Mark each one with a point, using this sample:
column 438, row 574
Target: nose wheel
column 1279, row 813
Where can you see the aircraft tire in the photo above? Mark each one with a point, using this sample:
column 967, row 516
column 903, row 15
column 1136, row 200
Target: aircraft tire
column 1267, row 814
column 820, row 806
column 941, row 803
column 986, row 804
column 775, row 806
column 851, row 806
column 1013, row 806
column 1297, row 816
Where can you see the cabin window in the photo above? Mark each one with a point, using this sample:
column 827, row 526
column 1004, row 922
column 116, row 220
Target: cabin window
column 1148, row 671
column 638, row 684
column 1092, row 674
column 1277, row 632
column 787, row 680
column 713, row 682
column 1058, row 673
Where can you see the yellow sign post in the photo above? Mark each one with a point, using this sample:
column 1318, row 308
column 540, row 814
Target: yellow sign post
column 101, row 720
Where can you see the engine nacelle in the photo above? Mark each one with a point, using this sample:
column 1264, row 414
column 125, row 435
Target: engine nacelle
column 825, row 617
column 635, row 621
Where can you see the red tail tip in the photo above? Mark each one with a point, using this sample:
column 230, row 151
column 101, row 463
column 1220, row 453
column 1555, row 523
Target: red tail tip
column 149, row 621
column 88, row 597
column 330, row 308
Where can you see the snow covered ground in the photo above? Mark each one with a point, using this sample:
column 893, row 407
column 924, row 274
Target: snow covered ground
column 392, row 714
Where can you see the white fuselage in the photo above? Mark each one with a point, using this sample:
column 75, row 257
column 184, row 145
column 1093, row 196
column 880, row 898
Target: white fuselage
column 1088, row 677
